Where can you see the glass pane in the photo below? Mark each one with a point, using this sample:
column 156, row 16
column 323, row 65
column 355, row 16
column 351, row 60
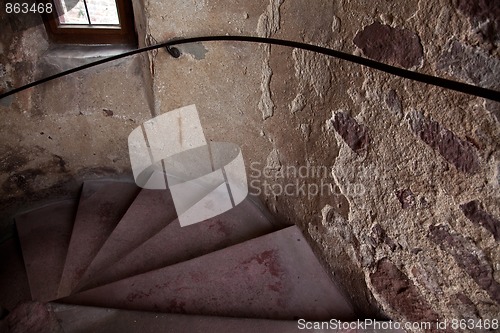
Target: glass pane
column 103, row 12
column 72, row 12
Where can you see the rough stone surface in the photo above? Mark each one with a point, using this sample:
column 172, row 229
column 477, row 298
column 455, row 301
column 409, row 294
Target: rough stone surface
column 406, row 197
column 353, row 133
column 379, row 236
column 392, row 284
column 468, row 257
column 493, row 107
column 484, row 15
column 394, row 103
column 336, row 229
column 32, row 317
column 456, row 151
column 280, row 106
column 465, row 307
column 473, row 211
column 394, row 46
column 470, row 63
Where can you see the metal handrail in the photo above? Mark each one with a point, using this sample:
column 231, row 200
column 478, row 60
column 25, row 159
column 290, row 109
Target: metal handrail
column 169, row 46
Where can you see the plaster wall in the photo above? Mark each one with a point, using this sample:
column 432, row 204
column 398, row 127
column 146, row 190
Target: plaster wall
column 55, row 135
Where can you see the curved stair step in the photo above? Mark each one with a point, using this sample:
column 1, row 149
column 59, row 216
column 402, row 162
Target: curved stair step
column 151, row 211
column 44, row 234
column 58, row 318
column 175, row 244
column 275, row 276
column 14, row 286
column 82, row 319
column 101, row 206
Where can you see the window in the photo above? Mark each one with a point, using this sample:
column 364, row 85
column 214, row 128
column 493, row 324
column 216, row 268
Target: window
column 91, row 22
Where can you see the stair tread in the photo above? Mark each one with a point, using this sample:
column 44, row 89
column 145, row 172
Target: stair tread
column 56, row 317
column 274, row 276
column 44, row 234
column 151, row 211
column 175, row 244
column 80, row 319
column 101, row 206
column 14, row 286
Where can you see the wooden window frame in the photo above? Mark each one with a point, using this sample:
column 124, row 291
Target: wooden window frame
column 94, row 34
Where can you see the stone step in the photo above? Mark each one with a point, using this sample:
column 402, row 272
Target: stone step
column 55, row 318
column 275, row 276
column 44, row 234
column 151, row 211
column 175, row 244
column 82, row 319
column 102, row 204
column 14, row 286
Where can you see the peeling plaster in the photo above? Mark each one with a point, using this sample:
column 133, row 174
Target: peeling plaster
column 268, row 24
column 195, row 50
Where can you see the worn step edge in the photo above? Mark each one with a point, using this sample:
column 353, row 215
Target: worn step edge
column 119, row 271
column 175, row 288
column 50, row 227
column 81, row 319
column 156, row 211
column 72, row 274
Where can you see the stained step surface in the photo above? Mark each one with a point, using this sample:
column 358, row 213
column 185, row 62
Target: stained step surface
column 44, row 234
column 81, row 319
column 55, row 318
column 274, row 276
column 102, row 204
column 175, row 244
column 151, row 211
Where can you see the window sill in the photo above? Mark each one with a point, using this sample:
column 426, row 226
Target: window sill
column 67, row 56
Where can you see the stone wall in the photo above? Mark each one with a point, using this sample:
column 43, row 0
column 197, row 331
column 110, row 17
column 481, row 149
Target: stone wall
column 409, row 217
column 55, row 135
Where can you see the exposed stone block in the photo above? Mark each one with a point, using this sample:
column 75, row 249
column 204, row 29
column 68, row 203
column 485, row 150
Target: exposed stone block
column 466, row 308
column 470, row 64
column 473, row 211
column 393, row 46
column 468, row 257
column 379, row 235
column 494, row 108
column 456, row 151
column 426, row 276
column 400, row 293
column 353, row 133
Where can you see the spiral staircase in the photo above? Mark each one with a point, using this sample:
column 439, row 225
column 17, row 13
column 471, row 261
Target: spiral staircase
column 117, row 260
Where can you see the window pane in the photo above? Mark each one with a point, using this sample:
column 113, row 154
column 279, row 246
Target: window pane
column 72, row 12
column 103, row 12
